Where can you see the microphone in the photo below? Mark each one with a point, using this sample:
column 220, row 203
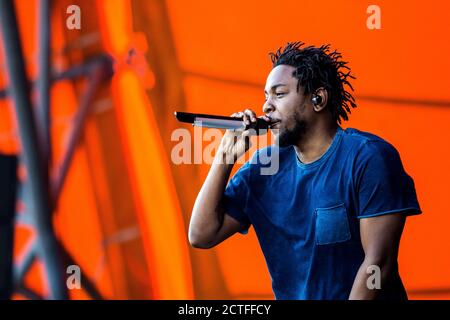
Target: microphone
column 220, row 122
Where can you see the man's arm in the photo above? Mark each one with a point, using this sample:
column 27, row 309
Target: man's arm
column 209, row 223
column 380, row 237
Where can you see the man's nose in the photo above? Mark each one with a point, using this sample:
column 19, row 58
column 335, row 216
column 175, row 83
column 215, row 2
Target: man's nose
column 268, row 107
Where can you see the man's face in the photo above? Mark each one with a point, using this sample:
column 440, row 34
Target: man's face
column 286, row 106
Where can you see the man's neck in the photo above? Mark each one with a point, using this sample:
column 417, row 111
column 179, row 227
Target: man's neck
column 315, row 142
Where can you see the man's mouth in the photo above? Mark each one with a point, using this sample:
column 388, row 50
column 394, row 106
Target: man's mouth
column 275, row 124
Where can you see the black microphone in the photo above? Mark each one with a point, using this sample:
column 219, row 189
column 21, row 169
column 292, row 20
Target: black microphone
column 221, row 122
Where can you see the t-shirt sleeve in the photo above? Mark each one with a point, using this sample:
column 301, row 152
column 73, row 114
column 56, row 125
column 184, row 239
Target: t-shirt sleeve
column 236, row 196
column 383, row 186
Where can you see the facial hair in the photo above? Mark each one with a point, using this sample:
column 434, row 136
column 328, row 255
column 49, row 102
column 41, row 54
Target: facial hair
column 289, row 137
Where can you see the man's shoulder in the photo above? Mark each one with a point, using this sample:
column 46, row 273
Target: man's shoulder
column 367, row 141
column 369, row 146
column 359, row 136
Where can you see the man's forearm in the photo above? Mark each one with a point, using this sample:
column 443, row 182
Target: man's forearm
column 360, row 289
column 206, row 219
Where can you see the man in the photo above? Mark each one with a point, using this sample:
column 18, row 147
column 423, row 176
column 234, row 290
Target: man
column 332, row 216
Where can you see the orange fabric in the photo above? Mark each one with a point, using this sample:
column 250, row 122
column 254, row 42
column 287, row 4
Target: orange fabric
column 159, row 213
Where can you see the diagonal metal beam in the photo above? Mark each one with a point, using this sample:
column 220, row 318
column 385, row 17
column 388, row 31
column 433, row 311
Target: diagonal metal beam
column 99, row 73
column 22, row 268
column 80, row 70
column 47, row 246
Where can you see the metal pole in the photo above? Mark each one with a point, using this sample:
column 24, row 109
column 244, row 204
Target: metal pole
column 44, row 81
column 47, row 246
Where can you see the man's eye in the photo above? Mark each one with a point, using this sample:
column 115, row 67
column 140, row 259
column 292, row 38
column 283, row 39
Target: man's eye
column 279, row 94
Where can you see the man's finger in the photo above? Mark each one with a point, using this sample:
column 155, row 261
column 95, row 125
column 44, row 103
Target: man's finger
column 251, row 114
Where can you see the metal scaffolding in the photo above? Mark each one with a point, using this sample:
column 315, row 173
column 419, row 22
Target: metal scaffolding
column 40, row 191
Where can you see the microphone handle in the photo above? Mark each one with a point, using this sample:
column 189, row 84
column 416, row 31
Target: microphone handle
column 221, row 122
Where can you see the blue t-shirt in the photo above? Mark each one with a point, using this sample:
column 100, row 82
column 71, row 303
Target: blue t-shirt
column 306, row 216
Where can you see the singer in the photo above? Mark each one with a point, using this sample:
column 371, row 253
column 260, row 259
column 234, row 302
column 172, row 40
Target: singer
column 329, row 221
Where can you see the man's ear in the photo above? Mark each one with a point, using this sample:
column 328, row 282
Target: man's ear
column 319, row 99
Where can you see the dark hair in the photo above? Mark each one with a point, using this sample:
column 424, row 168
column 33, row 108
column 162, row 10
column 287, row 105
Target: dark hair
column 316, row 68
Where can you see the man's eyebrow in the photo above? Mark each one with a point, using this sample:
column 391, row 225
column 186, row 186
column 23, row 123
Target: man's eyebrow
column 276, row 86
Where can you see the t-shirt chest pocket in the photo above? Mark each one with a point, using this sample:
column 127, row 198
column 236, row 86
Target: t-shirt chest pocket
column 332, row 225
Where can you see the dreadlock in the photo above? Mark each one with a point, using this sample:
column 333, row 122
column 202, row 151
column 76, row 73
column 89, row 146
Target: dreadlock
column 316, row 68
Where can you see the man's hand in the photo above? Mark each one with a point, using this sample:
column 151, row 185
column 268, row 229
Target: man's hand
column 235, row 143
